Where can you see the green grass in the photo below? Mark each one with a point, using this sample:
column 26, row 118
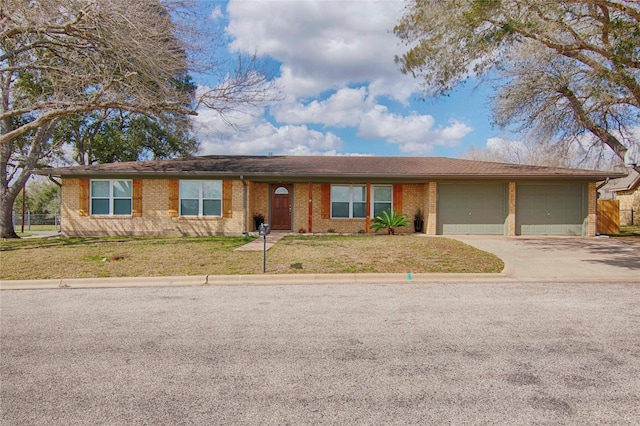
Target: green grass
column 27, row 228
column 631, row 232
column 58, row 257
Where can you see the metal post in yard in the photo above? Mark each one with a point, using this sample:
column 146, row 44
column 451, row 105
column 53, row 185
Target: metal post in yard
column 264, row 254
column 264, row 230
column 24, row 188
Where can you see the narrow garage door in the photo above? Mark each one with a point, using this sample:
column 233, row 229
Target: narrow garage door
column 551, row 209
column 472, row 209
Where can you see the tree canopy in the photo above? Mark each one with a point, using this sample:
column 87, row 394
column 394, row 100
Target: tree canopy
column 561, row 67
column 111, row 72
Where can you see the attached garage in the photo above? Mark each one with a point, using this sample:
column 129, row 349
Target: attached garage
column 472, row 208
column 552, row 209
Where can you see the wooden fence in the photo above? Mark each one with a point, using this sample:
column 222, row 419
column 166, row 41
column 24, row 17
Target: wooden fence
column 608, row 216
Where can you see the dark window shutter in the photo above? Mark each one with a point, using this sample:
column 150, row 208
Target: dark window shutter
column 136, row 210
column 83, row 197
column 227, row 197
column 397, row 197
column 174, row 194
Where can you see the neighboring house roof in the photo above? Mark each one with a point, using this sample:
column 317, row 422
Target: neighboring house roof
column 627, row 183
column 325, row 167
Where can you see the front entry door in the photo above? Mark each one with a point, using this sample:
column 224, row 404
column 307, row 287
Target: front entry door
column 281, row 207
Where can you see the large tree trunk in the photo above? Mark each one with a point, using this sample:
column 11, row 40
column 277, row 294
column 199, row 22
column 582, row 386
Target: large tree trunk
column 13, row 181
column 6, row 215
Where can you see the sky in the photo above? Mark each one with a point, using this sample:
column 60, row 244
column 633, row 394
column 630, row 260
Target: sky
column 341, row 93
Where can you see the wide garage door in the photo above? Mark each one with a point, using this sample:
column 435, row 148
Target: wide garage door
column 551, row 209
column 472, row 209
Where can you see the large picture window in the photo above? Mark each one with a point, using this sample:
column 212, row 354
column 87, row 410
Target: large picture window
column 111, row 197
column 200, row 198
column 382, row 199
column 348, row 201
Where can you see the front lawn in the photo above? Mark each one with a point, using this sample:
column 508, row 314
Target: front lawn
column 55, row 257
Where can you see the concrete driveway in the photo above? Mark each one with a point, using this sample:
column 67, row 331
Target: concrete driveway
column 560, row 259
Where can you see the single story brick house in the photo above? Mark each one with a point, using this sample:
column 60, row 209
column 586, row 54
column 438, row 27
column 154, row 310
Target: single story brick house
column 219, row 195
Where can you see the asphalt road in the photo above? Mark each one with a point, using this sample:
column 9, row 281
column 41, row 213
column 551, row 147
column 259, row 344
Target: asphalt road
column 322, row 354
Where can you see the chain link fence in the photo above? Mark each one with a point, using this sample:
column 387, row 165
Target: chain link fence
column 37, row 222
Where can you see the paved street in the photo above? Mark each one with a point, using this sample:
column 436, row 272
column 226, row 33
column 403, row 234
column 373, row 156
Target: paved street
column 322, row 354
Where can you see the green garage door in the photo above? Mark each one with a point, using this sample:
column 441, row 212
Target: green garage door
column 551, row 209
column 479, row 209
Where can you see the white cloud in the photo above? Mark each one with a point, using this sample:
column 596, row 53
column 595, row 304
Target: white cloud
column 344, row 48
column 415, row 134
column 342, row 109
column 216, row 13
column 324, row 44
column 252, row 135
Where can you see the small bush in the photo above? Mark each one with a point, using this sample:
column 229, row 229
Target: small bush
column 389, row 220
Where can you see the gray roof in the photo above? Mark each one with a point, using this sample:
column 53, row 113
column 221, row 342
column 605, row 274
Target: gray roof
column 319, row 168
column 628, row 182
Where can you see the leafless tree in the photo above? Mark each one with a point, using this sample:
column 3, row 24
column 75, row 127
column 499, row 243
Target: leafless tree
column 563, row 67
column 63, row 57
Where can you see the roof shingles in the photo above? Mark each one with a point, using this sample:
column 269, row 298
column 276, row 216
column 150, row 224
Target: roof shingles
column 325, row 166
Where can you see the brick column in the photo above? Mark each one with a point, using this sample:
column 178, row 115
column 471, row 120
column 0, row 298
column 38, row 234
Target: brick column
column 367, row 223
column 511, row 218
column 310, row 208
column 592, row 210
column 432, row 209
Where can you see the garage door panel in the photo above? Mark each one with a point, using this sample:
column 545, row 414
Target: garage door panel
column 472, row 209
column 551, row 209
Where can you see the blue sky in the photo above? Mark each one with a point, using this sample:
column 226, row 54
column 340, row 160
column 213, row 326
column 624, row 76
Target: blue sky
column 341, row 92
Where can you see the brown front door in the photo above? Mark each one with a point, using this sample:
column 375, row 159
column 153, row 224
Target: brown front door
column 281, row 207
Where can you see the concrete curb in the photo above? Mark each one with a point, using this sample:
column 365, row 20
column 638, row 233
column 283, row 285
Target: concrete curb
column 257, row 279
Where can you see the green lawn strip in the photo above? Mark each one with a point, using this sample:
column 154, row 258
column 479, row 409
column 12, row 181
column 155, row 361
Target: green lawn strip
column 632, row 231
column 54, row 258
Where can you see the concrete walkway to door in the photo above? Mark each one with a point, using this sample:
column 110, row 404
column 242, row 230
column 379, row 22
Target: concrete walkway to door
column 258, row 243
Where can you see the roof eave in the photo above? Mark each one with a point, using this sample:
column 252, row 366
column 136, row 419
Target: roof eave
column 265, row 176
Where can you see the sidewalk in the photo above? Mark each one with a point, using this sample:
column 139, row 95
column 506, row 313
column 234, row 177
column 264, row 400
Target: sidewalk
column 259, row 244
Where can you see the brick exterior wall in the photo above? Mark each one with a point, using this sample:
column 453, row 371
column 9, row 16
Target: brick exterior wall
column 629, row 201
column 155, row 218
column 258, row 202
column 431, row 215
column 300, row 210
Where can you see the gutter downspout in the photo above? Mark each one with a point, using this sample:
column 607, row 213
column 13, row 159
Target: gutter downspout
column 244, row 205
column 54, row 181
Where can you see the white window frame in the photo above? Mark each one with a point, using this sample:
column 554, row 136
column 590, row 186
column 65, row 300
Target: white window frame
column 200, row 199
column 111, row 197
column 351, row 202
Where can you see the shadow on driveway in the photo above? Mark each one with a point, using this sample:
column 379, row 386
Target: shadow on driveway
column 605, row 251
